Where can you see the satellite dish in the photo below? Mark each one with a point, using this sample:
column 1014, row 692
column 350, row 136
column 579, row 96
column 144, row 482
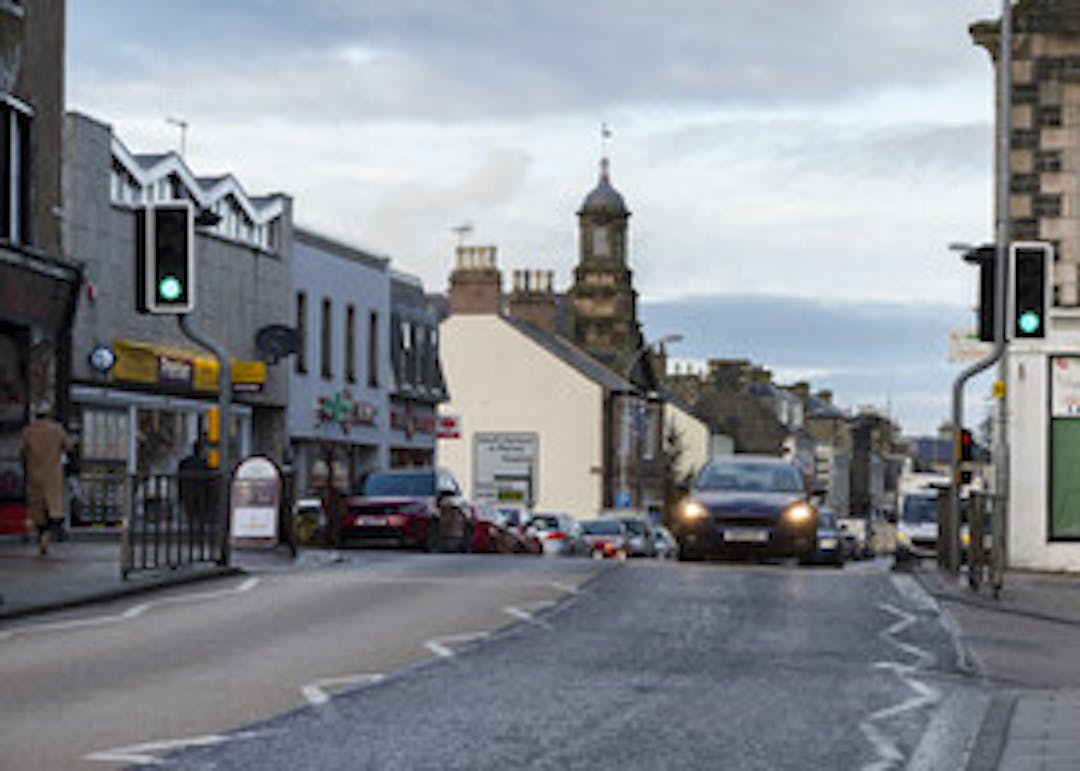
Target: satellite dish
column 275, row 341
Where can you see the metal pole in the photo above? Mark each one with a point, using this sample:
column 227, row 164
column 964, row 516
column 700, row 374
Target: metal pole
column 224, row 408
column 998, row 355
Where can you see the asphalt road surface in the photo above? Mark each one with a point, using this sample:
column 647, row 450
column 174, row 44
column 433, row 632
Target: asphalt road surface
column 80, row 689
column 650, row 665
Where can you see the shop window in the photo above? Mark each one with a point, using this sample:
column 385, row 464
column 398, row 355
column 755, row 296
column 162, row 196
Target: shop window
column 326, row 366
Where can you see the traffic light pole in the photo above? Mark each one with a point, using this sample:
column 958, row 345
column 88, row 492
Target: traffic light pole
column 224, row 409
column 998, row 355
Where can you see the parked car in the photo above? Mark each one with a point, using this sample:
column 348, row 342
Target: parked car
column 641, row 539
column 747, row 505
column 606, row 538
column 515, row 521
column 409, row 507
column 830, row 540
column 489, row 535
column 666, row 545
column 558, row 533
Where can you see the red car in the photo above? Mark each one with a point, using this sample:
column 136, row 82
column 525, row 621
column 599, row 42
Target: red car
column 498, row 533
column 409, row 507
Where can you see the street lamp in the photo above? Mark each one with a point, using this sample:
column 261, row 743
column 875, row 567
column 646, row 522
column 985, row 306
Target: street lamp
column 623, row 497
column 647, row 346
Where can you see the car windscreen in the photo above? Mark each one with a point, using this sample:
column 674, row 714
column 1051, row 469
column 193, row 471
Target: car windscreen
column 826, row 520
column 750, row 477
column 601, row 527
column 635, row 528
column 919, row 509
column 390, row 483
column 544, row 523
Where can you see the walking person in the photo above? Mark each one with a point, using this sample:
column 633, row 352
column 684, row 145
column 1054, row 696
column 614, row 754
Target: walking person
column 44, row 443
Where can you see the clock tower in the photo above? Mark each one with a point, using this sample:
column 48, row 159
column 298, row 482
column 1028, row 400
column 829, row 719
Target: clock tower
column 603, row 297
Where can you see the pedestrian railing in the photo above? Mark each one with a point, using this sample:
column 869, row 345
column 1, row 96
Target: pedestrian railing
column 173, row 520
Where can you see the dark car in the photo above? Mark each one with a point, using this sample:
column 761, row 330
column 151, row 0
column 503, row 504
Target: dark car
column 747, row 505
column 830, row 540
column 409, row 507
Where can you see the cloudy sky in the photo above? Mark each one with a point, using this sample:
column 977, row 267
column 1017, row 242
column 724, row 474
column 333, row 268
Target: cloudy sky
column 795, row 170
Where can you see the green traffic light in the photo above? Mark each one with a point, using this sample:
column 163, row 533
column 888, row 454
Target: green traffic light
column 170, row 288
column 1028, row 322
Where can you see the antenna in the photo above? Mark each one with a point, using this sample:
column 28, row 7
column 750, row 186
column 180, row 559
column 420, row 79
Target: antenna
column 183, row 126
column 462, row 230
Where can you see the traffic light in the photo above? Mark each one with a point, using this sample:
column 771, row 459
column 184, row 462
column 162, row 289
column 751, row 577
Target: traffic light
column 1030, row 262
column 985, row 257
column 165, row 264
column 965, row 452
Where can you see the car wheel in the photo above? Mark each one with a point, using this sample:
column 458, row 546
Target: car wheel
column 467, row 540
column 433, row 539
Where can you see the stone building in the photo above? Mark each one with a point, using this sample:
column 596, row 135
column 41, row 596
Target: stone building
column 603, row 298
column 1044, row 162
column 38, row 283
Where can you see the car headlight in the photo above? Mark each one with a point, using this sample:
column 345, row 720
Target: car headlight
column 902, row 537
column 799, row 513
column 692, row 510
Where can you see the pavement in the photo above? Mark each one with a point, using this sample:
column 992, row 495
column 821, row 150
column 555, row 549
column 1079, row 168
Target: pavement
column 1024, row 646
column 85, row 569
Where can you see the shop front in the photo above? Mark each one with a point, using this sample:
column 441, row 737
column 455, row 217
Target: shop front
column 145, row 420
column 412, row 433
column 37, row 297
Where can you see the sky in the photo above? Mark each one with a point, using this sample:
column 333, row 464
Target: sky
column 795, row 170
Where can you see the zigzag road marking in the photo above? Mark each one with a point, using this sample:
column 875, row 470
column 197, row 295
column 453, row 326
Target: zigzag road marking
column 889, row 755
column 315, row 694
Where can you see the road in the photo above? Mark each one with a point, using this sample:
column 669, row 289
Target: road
column 406, row 661
column 198, row 661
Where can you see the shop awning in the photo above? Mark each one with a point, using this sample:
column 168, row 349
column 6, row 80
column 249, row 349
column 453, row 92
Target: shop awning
column 179, row 369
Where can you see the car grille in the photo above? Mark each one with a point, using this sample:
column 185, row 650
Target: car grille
column 728, row 520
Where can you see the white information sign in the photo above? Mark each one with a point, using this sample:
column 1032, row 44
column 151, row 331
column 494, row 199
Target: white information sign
column 256, row 496
column 505, row 467
column 1065, row 386
column 965, row 345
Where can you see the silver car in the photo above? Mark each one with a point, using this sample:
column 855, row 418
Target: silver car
column 558, row 533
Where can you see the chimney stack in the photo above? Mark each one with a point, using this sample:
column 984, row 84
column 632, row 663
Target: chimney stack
column 533, row 299
column 476, row 283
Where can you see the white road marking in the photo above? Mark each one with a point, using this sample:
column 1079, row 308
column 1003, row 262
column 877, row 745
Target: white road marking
column 147, row 754
column 135, row 611
column 526, row 616
column 564, row 587
column 889, row 755
column 436, row 644
column 315, row 694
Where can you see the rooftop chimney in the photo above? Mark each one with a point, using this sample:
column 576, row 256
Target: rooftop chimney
column 533, row 299
column 475, row 283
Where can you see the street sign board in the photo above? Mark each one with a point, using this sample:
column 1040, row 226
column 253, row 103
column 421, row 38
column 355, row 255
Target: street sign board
column 623, row 499
column 256, row 496
column 964, row 346
column 505, row 467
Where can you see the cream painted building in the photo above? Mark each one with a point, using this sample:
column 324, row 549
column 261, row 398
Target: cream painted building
column 538, row 421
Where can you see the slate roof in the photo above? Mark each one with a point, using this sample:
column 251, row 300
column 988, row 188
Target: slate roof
column 570, row 354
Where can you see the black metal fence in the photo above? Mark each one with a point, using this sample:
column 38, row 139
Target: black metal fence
column 173, row 520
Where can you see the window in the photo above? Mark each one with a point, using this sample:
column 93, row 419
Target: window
column 327, row 364
column 350, row 343
column 15, row 173
column 301, row 333
column 373, row 350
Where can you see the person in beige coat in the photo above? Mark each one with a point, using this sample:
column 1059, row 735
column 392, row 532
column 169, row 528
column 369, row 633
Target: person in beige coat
column 44, row 443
